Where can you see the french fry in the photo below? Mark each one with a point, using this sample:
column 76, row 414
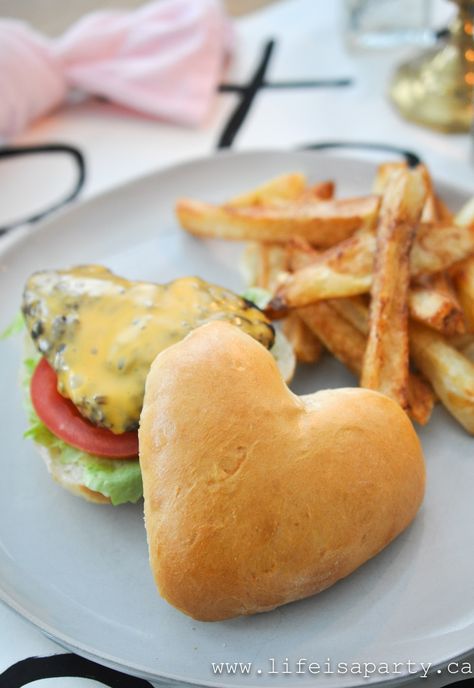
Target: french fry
column 317, row 255
column 322, row 191
column 468, row 350
column 262, row 262
column 430, row 208
column 463, row 273
column 386, row 359
column 432, row 300
column 300, row 254
column 347, row 343
column 259, row 264
column 355, row 310
column 344, row 270
column 272, row 262
column 432, row 205
column 449, row 371
column 306, row 345
column 444, row 213
column 338, row 336
column 323, row 223
column 464, row 344
column 383, row 174
column 434, row 303
column 463, row 278
column 263, row 265
column 421, row 398
column 438, row 246
column 466, row 215
column 287, row 187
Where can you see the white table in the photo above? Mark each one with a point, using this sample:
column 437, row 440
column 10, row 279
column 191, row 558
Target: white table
column 284, row 113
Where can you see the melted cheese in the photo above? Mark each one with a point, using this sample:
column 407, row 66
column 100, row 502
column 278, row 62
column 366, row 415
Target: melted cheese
column 101, row 332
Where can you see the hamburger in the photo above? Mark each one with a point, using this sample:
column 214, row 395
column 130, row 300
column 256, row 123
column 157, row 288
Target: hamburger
column 92, row 337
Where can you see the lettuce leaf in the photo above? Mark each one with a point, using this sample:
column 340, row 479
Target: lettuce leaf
column 16, row 326
column 260, row 297
column 118, row 479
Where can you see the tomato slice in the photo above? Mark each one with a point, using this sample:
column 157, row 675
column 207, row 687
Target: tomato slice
column 64, row 420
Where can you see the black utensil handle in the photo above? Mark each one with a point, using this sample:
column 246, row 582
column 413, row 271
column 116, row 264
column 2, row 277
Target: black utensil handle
column 411, row 158
column 33, row 669
column 53, row 148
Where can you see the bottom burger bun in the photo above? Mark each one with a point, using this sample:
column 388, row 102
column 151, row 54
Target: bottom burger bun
column 74, row 475
column 69, row 478
column 255, row 497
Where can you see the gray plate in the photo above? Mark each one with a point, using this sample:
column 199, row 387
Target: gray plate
column 80, row 571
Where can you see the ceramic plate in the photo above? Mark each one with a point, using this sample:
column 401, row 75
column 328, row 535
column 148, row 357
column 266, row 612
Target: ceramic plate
column 80, row 571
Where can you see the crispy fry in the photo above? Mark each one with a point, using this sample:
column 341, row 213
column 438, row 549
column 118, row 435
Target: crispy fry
column 448, row 370
column 300, row 254
column 337, row 335
column 386, row 359
column 347, row 343
column 322, row 191
column 463, row 277
column 317, row 255
column 306, row 345
column 421, row 398
column 430, row 209
column 436, row 248
column 384, row 172
column 439, row 246
column 273, row 262
column 466, row 215
column 346, row 269
column 463, row 343
column 468, row 351
column 263, row 264
column 432, row 299
column 434, row 303
column 343, row 270
column 444, row 213
column 324, row 223
column 355, row 310
column 287, row 187
column 463, row 272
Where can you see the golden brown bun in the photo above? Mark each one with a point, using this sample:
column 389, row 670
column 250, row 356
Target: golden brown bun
column 255, row 497
column 67, row 478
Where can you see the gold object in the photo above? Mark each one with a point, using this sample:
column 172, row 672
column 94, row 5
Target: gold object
column 437, row 88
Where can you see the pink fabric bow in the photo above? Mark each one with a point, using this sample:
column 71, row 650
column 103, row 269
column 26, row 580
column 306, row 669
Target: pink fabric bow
column 163, row 59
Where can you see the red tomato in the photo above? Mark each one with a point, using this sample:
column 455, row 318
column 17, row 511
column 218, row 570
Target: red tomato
column 64, row 420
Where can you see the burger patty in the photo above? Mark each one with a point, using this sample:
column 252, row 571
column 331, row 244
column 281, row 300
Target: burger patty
column 101, row 332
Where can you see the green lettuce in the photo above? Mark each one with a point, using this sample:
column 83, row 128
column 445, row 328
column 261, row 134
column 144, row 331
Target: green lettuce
column 16, row 326
column 118, row 479
column 260, row 297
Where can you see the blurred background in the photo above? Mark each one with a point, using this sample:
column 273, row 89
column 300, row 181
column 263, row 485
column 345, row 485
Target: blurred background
column 54, row 16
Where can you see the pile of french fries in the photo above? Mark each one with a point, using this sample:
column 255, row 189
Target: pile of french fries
column 384, row 282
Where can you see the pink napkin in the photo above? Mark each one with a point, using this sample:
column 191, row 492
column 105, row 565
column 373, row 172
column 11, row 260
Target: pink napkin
column 163, row 59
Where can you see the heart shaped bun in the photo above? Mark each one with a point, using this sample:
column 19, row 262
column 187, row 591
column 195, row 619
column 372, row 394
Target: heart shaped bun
column 255, row 497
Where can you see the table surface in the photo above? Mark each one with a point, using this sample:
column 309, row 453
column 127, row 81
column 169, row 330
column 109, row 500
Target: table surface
column 314, row 91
